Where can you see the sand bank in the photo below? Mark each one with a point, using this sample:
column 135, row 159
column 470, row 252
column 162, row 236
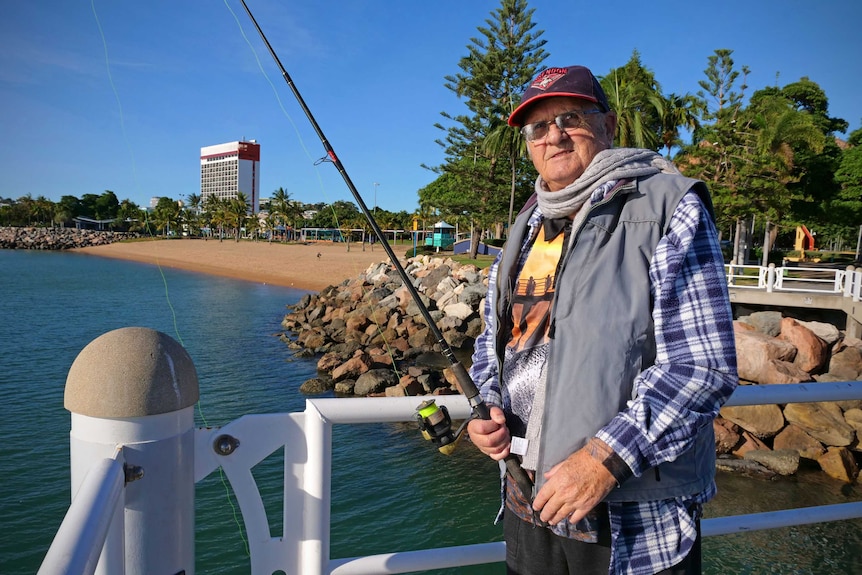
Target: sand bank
column 309, row 267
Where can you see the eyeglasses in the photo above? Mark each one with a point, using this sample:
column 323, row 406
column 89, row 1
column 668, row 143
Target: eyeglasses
column 565, row 121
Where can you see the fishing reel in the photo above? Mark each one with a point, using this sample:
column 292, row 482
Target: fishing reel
column 436, row 426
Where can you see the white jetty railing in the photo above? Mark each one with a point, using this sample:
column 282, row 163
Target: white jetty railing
column 847, row 282
column 136, row 456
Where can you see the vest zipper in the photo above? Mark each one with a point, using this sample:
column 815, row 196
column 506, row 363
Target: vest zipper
column 552, row 328
column 571, row 244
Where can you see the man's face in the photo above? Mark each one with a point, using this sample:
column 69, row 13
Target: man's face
column 562, row 156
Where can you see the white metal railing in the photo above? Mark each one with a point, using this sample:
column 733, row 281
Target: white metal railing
column 307, row 442
column 796, row 279
column 81, row 537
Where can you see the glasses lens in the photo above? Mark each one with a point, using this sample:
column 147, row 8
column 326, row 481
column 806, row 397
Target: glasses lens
column 535, row 131
column 566, row 121
column 570, row 120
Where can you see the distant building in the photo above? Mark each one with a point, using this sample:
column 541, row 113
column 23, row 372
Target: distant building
column 230, row 168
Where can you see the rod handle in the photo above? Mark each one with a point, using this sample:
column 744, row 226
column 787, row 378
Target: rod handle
column 481, row 409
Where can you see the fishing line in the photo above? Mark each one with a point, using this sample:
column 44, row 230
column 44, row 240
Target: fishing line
column 158, row 262
column 468, row 387
column 316, row 163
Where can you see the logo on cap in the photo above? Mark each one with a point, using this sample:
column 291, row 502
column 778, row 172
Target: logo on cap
column 547, row 78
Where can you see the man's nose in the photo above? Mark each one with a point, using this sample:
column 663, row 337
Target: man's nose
column 555, row 134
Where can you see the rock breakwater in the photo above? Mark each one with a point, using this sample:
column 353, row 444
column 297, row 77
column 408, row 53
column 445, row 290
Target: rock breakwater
column 373, row 341
column 57, row 238
column 776, row 439
column 372, row 336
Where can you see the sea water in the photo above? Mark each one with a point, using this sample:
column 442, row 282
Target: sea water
column 391, row 491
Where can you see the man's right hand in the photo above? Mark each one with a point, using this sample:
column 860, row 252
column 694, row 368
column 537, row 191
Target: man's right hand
column 491, row 436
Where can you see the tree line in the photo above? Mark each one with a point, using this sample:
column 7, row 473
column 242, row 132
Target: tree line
column 772, row 156
column 192, row 216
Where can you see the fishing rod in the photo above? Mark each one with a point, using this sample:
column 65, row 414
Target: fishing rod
column 434, row 422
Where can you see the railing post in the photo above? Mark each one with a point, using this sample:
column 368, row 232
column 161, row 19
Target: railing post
column 317, row 486
column 857, row 284
column 135, row 389
column 770, row 278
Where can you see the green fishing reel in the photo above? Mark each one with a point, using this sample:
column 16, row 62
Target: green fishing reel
column 436, row 426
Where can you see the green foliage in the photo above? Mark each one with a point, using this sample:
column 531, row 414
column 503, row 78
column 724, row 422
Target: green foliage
column 481, row 178
column 633, row 94
column 421, row 249
column 846, row 206
column 340, row 214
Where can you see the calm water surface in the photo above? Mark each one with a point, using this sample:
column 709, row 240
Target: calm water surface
column 391, row 490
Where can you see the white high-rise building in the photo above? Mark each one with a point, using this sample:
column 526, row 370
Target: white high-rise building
column 230, row 168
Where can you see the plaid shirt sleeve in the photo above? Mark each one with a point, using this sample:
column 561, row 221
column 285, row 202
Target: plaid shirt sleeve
column 695, row 368
column 485, row 369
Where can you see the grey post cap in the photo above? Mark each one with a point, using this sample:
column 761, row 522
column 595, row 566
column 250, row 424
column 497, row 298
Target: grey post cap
column 131, row 372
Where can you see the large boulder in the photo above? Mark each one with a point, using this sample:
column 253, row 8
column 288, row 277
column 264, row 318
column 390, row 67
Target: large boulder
column 766, row 322
column 822, row 421
column 796, row 438
column 811, row 351
column 763, row 421
column 783, row 462
column 375, row 381
column 756, row 351
column 839, row 463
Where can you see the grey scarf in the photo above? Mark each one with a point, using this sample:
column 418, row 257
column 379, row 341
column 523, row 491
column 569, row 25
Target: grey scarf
column 610, row 164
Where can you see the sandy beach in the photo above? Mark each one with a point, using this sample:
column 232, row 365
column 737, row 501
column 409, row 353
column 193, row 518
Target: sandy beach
column 308, row 267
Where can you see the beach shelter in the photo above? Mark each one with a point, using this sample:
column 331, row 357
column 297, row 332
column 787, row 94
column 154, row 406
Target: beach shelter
column 443, row 236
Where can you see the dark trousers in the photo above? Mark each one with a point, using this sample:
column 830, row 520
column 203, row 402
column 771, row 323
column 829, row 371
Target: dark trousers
column 532, row 550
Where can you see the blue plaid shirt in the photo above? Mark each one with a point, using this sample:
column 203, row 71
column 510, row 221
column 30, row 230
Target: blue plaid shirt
column 694, row 373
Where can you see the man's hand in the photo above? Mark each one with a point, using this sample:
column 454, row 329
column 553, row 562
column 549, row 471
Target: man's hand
column 574, row 486
column 491, row 436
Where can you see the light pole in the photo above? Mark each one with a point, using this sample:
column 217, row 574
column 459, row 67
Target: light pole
column 375, row 196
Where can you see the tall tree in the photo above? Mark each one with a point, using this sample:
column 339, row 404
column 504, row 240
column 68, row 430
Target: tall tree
column 166, row 216
column 715, row 145
column 285, row 209
column 497, row 68
column 846, row 207
column 191, row 214
column 237, row 213
column 635, row 95
column 106, row 206
column 130, row 216
column 675, row 112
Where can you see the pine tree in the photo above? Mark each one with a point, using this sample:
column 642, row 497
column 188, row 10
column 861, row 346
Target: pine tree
column 498, row 67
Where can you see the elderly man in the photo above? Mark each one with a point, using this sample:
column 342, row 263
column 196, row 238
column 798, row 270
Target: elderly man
column 608, row 347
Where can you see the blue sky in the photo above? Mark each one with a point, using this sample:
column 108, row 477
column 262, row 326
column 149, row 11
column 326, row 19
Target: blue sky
column 183, row 76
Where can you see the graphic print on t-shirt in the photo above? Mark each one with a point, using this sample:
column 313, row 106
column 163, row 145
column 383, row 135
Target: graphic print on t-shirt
column 534, row 292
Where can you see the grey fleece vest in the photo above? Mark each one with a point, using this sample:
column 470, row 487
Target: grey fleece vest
column 602, row 330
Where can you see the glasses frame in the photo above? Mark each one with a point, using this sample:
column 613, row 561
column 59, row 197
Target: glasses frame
column 529, row 130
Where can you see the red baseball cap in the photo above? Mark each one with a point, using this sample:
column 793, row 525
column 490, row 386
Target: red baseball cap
column 573, row 81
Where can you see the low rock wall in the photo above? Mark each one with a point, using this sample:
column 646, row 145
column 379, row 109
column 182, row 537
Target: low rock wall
column 57, row 238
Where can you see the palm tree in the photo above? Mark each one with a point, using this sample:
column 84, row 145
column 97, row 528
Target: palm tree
column 629, row 99
column 237, row 212
column 271, row 223
column 166, row 216
column 677, row 112
column 129, row 215
column 504, row 141
column 281, row 206
column 192, row 214
column 216, row 212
